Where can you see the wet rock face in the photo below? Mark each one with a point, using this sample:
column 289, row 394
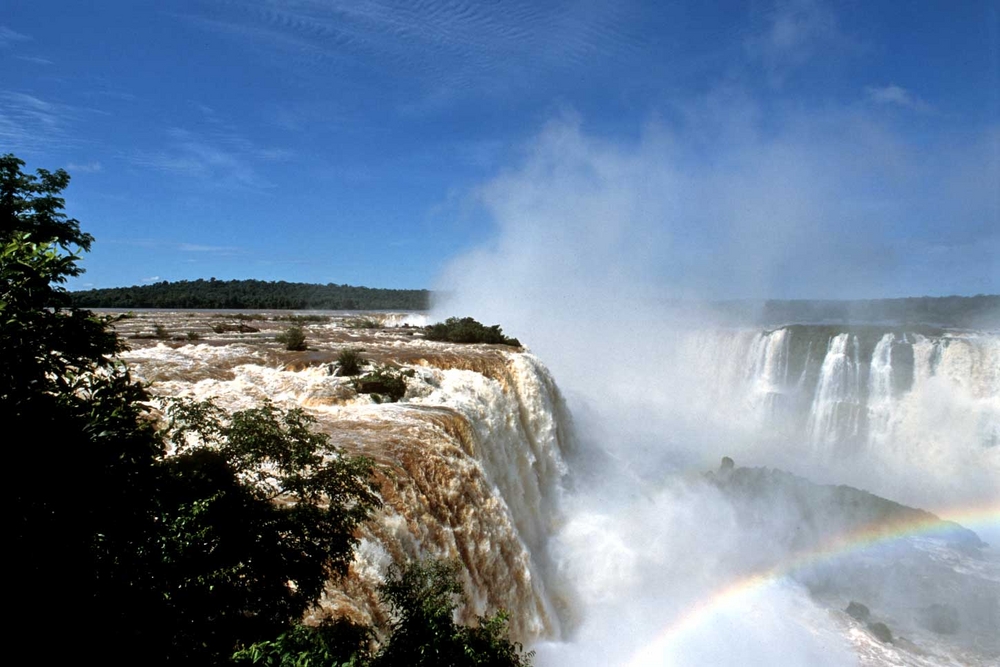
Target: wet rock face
column 881, row 632
column 858, row 611
column 940, row 618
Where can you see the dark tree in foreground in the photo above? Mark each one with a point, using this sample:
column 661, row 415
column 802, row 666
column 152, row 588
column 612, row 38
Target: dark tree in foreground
column 80, row 454
column 144, row 558
column 122, row 555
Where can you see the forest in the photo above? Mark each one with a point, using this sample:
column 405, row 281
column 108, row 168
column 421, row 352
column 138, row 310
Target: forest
column 251, row 294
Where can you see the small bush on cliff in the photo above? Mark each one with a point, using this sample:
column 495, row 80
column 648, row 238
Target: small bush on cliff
column 350, row 361
column 293, row 338
column 468, row 330
column 423, row 633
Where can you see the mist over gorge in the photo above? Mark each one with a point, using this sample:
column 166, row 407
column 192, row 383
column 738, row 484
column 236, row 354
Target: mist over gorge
column 597, row 242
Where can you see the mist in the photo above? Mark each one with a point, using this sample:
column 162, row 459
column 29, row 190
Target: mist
column 607, row 254
column 596, row 237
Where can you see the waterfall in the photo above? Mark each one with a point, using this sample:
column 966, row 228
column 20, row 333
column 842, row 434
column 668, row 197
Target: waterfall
column 880, row 391
column 470, row 465
column 767, row 372
column 833, row 392
column 834, row 418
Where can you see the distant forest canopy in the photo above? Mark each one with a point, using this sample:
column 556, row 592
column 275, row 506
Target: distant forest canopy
column 972, row 312
column 252, row 294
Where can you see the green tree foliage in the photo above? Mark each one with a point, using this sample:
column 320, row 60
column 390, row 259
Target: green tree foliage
column 423, row 633
column 293, row 338
column 468, row 330
column 259, row 513
column 147, row 558
column 257, row 294
column 79, row 454
column 423, row 598
column 337, row 643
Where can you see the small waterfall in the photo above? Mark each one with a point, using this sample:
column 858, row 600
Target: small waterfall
column 767, row 372
column 880, row 391
column 834, row 419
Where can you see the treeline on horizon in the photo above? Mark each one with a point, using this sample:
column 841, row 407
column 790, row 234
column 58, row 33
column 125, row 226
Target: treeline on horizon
column 973, row 312
column 252, row 294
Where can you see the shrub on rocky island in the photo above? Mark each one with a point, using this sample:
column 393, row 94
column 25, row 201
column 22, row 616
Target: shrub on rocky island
column 385, row 384
column 468, row 330
column 350, row 361
column 294, row 339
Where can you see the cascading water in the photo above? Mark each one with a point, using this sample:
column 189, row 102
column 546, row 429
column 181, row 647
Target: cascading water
column 475, row 466
column 471, row 463
column 834, row 418
column 767, row 373
column 864, row 391
column 880, row 391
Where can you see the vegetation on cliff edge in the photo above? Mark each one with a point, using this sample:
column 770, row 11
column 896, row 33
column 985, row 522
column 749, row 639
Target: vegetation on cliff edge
column 116, row 548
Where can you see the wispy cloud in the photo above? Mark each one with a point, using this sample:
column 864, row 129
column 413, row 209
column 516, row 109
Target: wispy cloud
column 894, row 95
column 84, row 168
column 10, row 37
column 444, row 45
column 31, row 123
column 217, row 249
column 180, row 246
column 792, row 34
column 151, row 279
column 220, row 157
column 35, row 60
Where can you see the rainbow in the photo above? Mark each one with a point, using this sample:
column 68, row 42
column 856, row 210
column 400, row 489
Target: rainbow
column 852, row 541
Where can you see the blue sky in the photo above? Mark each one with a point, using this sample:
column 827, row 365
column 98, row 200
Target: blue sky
column 381, row 143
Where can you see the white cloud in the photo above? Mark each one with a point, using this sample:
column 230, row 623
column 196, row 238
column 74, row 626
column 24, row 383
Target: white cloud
column 28, row 122
column 220, row 158
column 84, row 168
column 895, row 95
column 182, row 246
column 10, row 37
column 36, row 60
column 217, row 249
column 793, row 33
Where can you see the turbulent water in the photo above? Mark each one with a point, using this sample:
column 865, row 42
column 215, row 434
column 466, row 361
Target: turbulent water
column 842, row 390
column 470, row 462
column 480, row 462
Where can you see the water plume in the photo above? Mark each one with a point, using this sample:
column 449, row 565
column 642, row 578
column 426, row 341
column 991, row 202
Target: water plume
column 606, row 255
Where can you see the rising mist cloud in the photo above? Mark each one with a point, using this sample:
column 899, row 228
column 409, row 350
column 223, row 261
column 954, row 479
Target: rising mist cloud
column 728, row 197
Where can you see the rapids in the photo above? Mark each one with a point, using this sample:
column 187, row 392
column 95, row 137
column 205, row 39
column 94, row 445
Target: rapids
column 482, row 462
column 471, row 462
